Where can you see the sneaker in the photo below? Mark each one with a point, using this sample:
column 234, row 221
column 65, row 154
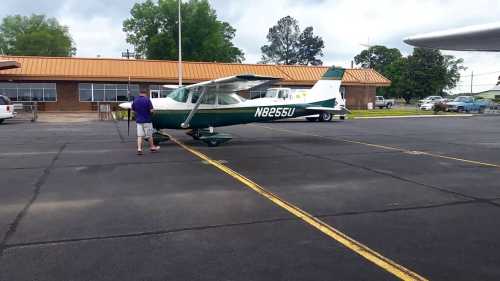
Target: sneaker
column 139, row 152
column 154, row 149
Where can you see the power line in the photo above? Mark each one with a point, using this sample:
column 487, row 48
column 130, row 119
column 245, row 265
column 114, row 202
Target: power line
column 482, row 74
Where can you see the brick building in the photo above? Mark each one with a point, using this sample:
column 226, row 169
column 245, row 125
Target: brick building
column 79, row 84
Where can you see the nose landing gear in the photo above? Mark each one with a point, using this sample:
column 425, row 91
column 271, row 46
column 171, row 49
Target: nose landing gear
column 209, row 137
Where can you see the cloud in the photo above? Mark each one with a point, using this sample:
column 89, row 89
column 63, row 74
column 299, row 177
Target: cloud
column 96, row 26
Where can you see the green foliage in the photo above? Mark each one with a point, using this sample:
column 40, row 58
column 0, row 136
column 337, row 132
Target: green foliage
column 290, row 46
column 35, row 35
column 423, row 73
column 153, row 30
column 123, row 115
column 378, row 58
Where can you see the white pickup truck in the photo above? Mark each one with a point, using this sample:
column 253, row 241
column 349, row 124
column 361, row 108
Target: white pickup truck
column 298, row 94
column 6, row 109
column 381, row 102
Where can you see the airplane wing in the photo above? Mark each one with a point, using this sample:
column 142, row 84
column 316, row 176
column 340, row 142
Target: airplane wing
column 236, row 83
column 474, row 38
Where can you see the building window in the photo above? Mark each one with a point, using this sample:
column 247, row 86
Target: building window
column 97, row 92
column 29, row 92
column 158, row 91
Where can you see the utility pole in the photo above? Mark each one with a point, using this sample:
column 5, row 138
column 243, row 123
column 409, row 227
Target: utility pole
column 367, row 68
column 180, row 45
column 127, row 55
column 472, row 83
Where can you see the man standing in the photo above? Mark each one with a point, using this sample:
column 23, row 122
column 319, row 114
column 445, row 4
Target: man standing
column 143, row 109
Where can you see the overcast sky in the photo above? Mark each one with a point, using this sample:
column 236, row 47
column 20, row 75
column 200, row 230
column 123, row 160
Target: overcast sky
column 96, row 25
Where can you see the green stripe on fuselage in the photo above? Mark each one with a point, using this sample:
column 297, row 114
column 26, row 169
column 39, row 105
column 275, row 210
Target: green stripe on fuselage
column 219, row 117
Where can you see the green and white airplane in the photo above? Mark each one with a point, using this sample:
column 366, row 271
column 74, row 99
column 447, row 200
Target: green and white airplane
column 204, row 106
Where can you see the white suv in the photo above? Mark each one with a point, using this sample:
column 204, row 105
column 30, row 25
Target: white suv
column 6, row 109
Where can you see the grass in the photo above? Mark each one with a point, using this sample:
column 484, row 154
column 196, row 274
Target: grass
column 391, row 112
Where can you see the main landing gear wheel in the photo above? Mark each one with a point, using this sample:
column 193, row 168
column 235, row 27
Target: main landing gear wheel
column 195, row 134
column 209, row 137
column 325, row 117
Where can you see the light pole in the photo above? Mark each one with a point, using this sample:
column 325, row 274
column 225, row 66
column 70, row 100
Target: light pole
column 368, row 46
column 180, row 44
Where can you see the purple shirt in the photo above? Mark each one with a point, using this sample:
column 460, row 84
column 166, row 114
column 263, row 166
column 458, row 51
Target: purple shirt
column 142, row 107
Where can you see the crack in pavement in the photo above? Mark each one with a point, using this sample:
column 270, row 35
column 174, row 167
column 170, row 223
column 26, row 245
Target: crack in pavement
column 38, row 185
column 229, row 225
column 433, row 187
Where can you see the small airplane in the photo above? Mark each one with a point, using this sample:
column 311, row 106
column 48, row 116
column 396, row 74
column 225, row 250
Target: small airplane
column 484, row 38
column 204, row 106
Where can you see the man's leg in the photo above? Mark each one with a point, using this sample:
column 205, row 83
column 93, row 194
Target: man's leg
column 148, row 128
column 140, row 137
column 139, row 143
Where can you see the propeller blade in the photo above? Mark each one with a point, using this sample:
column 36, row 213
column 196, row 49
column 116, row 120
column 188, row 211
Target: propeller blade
column 128, row 122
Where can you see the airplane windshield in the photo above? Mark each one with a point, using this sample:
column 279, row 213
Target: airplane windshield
column 179, row 95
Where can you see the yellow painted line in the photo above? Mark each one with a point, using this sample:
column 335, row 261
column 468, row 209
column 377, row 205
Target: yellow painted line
column 390, row 266
column 474, row 162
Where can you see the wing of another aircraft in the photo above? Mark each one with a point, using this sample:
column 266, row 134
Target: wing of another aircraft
column 474, row 38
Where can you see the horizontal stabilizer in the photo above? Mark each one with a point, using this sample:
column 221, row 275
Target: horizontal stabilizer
column 332, row 110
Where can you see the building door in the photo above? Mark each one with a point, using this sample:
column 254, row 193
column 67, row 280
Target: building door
column 154, row 94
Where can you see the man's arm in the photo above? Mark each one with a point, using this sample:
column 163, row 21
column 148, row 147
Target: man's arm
column 151, row 108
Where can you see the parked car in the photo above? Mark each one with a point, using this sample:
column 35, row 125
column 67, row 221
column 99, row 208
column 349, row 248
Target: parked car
column 430, row 99
column 466, row 104
column 427, row 106
column 6, row 109
column 381, row 102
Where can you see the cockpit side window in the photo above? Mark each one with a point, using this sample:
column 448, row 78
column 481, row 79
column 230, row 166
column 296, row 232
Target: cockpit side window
column 228, row 99
column 208, row 98
column 179, row 95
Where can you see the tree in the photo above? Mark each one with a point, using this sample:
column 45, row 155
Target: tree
column 425, row 72
column 35, row 35
column 310, row 47
column 402, row 85
column 153, row 30
column 378, row 57
column 290, row 46
column 453, row 66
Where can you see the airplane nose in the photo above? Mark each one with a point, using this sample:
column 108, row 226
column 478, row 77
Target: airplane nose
column 125, row 105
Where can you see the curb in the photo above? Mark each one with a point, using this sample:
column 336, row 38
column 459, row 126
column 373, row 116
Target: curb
column 415, row 116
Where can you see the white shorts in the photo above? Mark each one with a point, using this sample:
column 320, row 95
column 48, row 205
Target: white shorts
column 145, row 130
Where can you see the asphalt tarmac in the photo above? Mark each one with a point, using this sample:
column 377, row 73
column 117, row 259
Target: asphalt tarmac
column 76, row 203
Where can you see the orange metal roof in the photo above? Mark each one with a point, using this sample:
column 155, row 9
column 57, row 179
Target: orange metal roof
column 97, row 69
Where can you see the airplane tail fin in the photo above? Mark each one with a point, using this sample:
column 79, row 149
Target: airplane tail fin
column 326, row 92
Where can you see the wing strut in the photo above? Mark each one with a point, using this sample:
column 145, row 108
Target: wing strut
column 186, row 124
